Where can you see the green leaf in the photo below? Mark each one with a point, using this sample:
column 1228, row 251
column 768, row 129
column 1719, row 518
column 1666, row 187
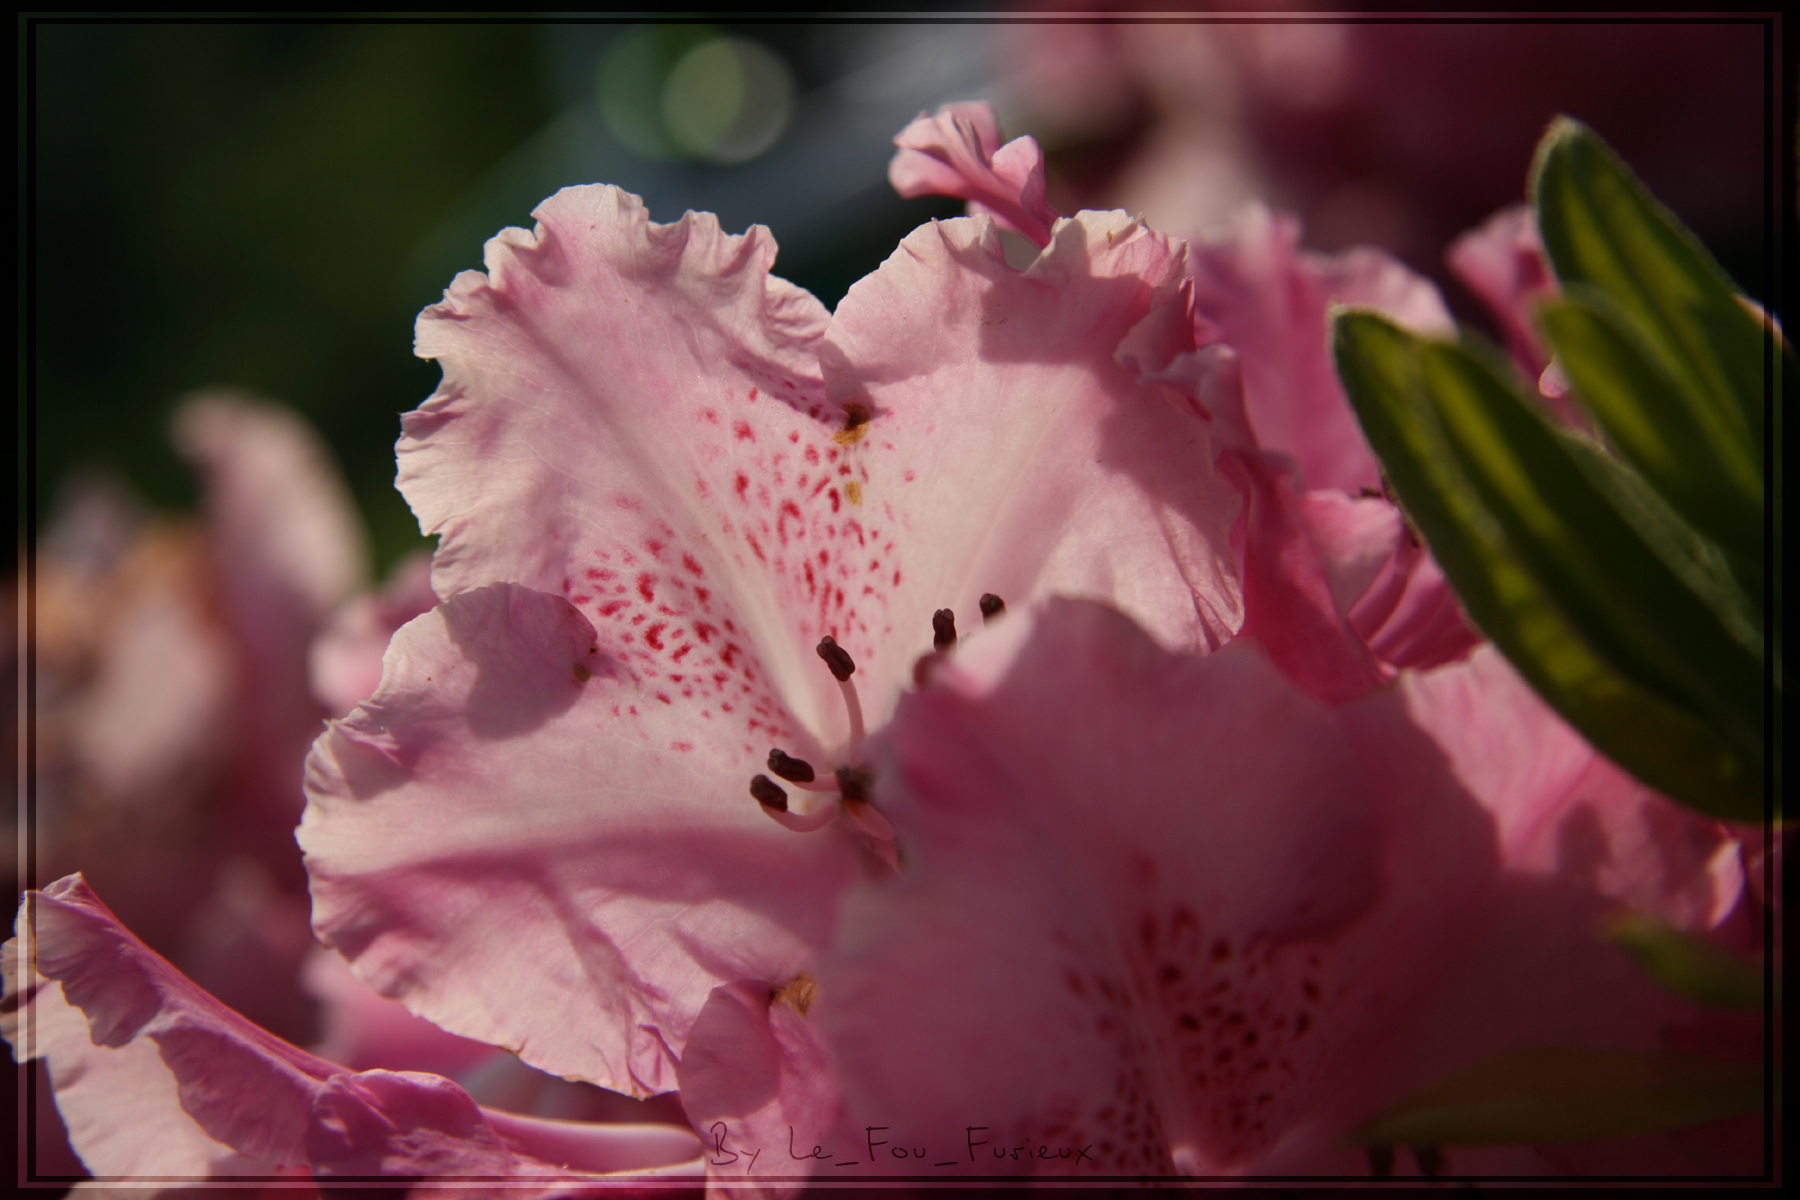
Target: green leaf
column 1602, row 228
column 1690, row 965
column 1558, row 1095
column 1651, row 419
column 1618, row 590
column 1384, row 369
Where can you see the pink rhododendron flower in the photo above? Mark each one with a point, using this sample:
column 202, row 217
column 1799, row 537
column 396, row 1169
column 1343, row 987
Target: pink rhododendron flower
column 211, row 1095
column 661, row 477
column 1333, row 583
column 1167, row 914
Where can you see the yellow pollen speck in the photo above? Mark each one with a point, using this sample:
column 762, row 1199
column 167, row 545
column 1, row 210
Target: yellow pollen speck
column 798, row 994
column 853, row 491
column 582, row 674
column 856, row 424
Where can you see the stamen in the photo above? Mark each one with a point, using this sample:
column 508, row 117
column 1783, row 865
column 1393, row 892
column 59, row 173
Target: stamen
column 768, row 793
column 837, row 658
column 842, row 667
column 943, row 629
column 786, row 766
column 991, row 606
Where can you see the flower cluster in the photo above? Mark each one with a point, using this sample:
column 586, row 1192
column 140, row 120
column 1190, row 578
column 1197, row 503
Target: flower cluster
column 999, row 727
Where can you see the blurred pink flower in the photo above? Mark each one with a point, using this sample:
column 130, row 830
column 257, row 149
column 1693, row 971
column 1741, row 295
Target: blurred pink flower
column 173, row 709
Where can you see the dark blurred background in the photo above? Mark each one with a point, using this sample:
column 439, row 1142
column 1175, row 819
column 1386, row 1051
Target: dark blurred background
column 268, row 205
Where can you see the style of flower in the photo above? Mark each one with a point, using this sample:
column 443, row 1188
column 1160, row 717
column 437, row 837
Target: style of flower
column 663, row 479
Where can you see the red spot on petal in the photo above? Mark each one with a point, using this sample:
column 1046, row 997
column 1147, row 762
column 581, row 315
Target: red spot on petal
column 835, row 502
column 647, row 586
column 755, row 548
column 664, row 698
column 653, row 635
column 743, row 484
column 743, row 432
column 681, row 747
column 693, row 565
column 896, row 579
column 627, row 503
column 711, row 415
column 753, row 394
column 614, row 607
column 911, row 475
column 680, row 654
column 702, row 595
column 794, row 436
column 654, row 547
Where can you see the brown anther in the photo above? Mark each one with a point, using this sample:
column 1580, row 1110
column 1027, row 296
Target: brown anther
column 991, row 606
column 856, row 424
column 768, row 793
column 943, row 629
column 853, row 783
column 797, row 994
column 786, row 766
column 837, row 658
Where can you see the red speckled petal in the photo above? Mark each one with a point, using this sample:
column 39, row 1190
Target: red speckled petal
column 534, row 846
column 1141, row 862
column 1010, row 452
column 1224, row 926
column 631, row 418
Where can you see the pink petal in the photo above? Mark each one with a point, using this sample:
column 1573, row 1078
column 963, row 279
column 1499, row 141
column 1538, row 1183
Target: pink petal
column 345, row 660
column 1292, row 595
column 1258, row 293
column 1011, row 452
column 1121, row 863
column 1562, row 809
column 224, row 1083
column 759, row 1087
column 1287, row 920
column 632, row 418
column 957, row 152
column 1502, row 262
column 514, row 809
